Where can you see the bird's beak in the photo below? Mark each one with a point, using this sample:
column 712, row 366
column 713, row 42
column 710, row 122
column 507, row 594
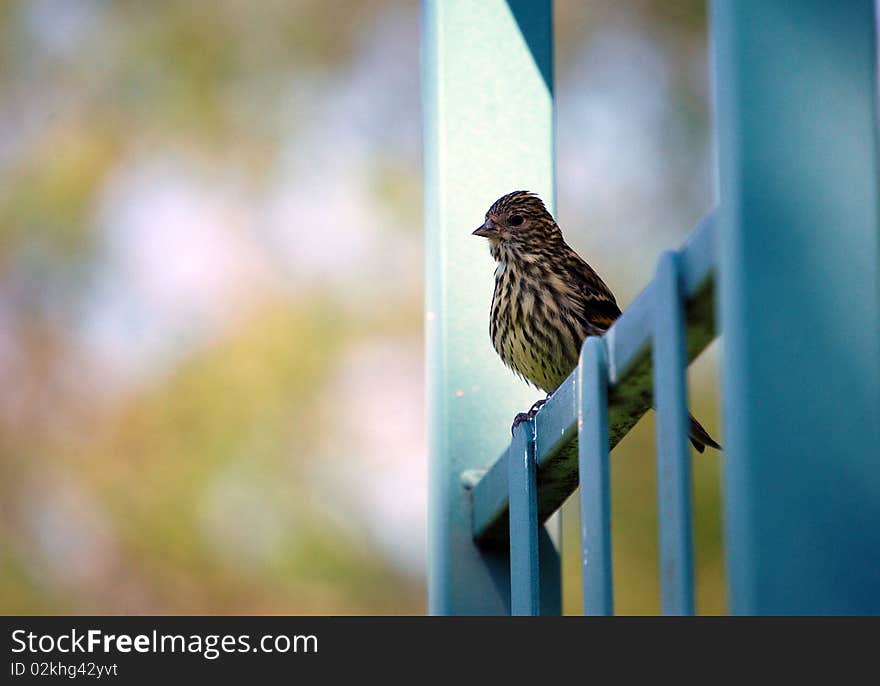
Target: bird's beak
column 487, row 230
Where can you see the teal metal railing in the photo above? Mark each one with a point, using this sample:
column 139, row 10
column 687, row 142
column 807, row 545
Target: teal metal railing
column 792, row 253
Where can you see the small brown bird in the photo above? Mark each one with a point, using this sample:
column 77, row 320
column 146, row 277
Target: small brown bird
column 547, row 299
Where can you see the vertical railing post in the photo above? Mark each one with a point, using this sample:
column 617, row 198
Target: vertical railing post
column 800, row 303
column 488, row 129
column 673, row 451
column 525, row 589
column 595, row 478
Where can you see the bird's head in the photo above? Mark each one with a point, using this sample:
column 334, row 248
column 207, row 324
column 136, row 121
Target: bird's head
column 518, row 222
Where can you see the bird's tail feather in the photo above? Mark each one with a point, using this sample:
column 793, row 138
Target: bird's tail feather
column 700, row 437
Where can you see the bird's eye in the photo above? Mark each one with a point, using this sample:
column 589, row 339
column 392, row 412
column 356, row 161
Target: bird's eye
column 515, row 219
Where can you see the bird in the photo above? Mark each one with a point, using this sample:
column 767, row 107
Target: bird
column 547, row 300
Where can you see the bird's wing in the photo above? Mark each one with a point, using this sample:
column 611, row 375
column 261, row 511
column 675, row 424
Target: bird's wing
column 595, row 300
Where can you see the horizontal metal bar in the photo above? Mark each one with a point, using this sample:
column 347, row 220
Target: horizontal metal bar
column 628, row 345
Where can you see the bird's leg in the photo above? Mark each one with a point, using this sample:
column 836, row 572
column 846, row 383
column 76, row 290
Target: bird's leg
column 526, row 416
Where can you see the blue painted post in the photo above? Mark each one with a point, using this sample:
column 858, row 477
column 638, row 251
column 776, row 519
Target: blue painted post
column 488, row 129
column 525, row 591
column 800, row 303
column 595, row 478
column 673, row 451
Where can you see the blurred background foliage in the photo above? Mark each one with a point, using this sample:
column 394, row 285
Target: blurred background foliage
column 211, row 368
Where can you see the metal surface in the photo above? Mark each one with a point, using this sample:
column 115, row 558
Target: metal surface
column 594, row 468
column 673, row 451
column 799, row 279
column 488, row 129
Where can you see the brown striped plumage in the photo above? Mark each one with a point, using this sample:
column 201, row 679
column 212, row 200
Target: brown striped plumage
column 547, row 299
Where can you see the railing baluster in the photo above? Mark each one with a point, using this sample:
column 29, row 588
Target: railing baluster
column 594, row 470
column 525, row 591
column 673, row 453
